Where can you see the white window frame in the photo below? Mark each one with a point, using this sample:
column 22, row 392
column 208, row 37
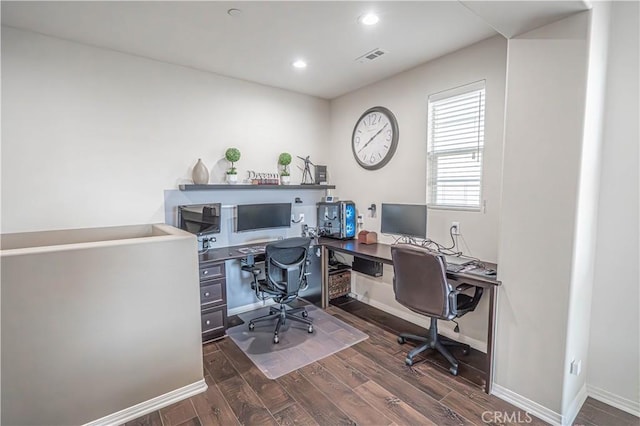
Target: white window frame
column 473, row 146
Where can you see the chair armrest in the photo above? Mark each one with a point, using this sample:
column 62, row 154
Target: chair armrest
column 464, row 286
column 251, row 268
column 471, row 304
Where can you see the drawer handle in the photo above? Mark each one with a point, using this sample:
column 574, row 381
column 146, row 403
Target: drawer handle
column 208, row 322
column 207, row 294
column 205, row 272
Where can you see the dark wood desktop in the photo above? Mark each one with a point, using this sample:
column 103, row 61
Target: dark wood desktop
column 380, row 252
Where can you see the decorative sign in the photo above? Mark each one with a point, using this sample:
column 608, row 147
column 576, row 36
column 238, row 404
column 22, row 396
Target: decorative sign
column 258, row 178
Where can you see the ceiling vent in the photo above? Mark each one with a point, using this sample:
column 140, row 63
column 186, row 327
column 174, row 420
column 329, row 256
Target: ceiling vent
column 371, row 55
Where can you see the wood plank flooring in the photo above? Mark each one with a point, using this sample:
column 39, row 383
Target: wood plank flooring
column 366, row 384
column 472, row 366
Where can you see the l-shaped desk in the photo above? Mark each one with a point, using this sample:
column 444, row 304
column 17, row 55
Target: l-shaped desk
column 376, row 252
column 379, row 252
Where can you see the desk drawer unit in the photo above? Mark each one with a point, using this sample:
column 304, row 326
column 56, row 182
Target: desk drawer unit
column 213, row 300
column 213, row 292
column 211, row 271
column 214, row 323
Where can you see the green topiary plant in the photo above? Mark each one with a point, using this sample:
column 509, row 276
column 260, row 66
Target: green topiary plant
column 284, row 160
column 232, row 155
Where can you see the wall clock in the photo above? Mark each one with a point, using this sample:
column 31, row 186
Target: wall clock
column 375, row 138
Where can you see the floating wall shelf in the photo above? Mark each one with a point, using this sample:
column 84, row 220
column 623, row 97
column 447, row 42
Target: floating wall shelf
column 193, row 187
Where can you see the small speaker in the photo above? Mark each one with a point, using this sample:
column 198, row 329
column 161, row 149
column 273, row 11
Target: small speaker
column 321, row 174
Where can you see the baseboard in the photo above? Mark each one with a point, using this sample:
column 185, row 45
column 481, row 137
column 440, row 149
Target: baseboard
column 543, row 413
column 419, row 320
column 531, row 407
column 575, row 406
column 631, row 407
column 154, row 404
column 250, row 307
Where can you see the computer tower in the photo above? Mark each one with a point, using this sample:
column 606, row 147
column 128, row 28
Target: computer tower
column 337, row 219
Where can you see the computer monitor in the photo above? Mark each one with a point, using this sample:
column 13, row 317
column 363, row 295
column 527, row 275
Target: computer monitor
column 200, row 219
column 404, row 219
column 251, row 217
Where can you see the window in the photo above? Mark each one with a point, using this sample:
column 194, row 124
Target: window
column 455, row 141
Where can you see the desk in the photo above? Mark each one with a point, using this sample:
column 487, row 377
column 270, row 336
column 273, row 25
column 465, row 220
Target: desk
column 382, row 253
column 221, row 291
column 221, row 254
column 213, row 289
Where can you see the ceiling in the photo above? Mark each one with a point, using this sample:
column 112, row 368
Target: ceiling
column 260, row 43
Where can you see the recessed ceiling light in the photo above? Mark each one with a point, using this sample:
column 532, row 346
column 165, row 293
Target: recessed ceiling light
column 234, row 12
column 299, row 64
column 369, row 19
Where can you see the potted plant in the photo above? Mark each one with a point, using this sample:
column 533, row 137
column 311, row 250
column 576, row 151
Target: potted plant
column 232, row 155
column 284, row 160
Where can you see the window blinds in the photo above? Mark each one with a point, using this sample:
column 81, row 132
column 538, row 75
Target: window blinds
column 455, row 147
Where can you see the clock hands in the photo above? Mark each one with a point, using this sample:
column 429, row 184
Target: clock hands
column 372, row 138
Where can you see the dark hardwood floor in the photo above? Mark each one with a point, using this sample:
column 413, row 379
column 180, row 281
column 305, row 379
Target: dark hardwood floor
column 367, row 383
column 472, row 366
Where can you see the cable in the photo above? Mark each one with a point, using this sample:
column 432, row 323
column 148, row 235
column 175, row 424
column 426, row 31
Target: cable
column 339, row 258
column 453, row 240
column 205, row 246
column 467, row 246
column 403, row 239
column 435, row 246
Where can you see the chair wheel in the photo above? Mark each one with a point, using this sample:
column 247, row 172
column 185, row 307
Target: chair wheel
column 453, row 371
column 408, row 361
column 310, row 329
column 251, row 326
column 304, row 314
column 401, row 340
column 275, row 339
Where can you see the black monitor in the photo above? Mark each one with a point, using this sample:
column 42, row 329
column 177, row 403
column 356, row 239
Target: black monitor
column 404, row 219
column 200, row 219
column 251, row 217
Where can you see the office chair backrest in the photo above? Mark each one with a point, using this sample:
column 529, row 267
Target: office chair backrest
column 285, row 263
column 420, row 281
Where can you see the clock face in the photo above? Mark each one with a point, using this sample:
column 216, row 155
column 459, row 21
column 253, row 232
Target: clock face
column 375, row 138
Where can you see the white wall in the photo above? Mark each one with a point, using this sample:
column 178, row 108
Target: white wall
column 546, row 80
column 92, row 137
column 575, row 390
column 403, row 179
column 613, row 365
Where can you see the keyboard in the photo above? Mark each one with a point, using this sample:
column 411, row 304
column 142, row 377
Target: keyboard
column 454, row 268
column 251, row 250
column 457, row 260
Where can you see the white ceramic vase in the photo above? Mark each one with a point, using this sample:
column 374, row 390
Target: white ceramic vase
column 285, row 180
column 232, row 179
column 200, row 173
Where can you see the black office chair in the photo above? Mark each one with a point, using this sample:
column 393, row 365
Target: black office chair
column 420, row 283
column 285, row 275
